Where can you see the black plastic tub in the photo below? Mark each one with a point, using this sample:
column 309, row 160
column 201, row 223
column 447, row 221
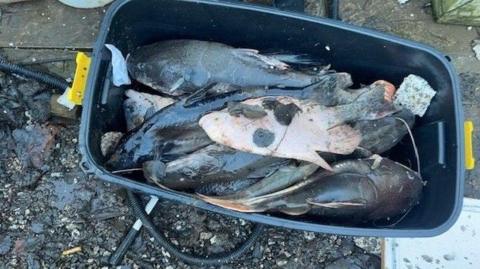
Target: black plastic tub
column 366, row 54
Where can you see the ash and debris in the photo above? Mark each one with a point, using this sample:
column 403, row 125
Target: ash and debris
column 49, row 206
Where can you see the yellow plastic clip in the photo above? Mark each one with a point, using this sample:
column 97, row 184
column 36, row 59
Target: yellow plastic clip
column 469, row 159
column 75, row 93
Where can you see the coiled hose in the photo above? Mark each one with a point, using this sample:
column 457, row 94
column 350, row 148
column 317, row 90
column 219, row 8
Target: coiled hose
column 217, row 259
column 35, row 75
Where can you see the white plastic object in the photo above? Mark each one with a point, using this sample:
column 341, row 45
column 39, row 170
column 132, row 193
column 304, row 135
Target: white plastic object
column 85, row 3
column 456, row 248
column 119, row 67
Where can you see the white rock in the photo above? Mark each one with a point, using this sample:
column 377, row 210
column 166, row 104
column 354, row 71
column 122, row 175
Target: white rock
column 213, row 240
column 414, row 94
column 205, row 235
column 309, row 235
column 476, row 48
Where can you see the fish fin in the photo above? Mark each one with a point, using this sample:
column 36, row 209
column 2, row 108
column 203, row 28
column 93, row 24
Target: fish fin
column 295, row 211
column 316, row 159
column 269, row 62
column 177, row 85
column 195, row 97
column 343, row 139
column 208, row 92
column 303, row 59
column 335, row 204
column 228, row 204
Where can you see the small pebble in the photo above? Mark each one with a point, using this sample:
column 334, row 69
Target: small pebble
column 213, row 240
column 309, row 235
column 205, row 235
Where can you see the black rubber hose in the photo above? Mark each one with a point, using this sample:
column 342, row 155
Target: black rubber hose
column 35, row 75
column 217, row 259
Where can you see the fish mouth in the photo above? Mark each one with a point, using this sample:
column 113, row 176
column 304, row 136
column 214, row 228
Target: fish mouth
column 389, row 89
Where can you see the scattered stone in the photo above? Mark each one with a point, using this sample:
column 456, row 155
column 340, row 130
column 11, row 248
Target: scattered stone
column 357, row 261
column 109, row 142
column 309, row 235
column 37, row 228
column 34, row 144
column 5, row 244
column 476, row 48
column 213, row 240
column 32, row 262
column 369, row 244
column 205, row 235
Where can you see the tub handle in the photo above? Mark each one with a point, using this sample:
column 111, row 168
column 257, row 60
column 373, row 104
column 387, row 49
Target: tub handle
column 469, row 158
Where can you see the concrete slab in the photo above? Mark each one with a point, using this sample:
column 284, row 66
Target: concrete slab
column 48, row 24
column 457, row 248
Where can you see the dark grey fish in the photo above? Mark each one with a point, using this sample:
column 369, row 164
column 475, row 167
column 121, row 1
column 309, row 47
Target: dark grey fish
column 370, row 189
column 214, row 163
column 177, row 67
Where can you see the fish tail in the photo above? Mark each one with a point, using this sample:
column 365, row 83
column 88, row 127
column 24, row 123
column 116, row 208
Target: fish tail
column 228, row 204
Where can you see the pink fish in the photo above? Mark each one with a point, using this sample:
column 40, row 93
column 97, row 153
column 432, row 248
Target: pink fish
column 297, row 129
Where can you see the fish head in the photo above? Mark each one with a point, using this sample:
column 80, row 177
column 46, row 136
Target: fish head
column 160, row 74
column 154, row 170
column 398, row 188
column 377, row 100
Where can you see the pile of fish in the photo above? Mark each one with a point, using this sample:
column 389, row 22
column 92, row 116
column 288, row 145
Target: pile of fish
column 264, row 133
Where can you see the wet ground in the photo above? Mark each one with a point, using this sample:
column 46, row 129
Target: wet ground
column 49, row 206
